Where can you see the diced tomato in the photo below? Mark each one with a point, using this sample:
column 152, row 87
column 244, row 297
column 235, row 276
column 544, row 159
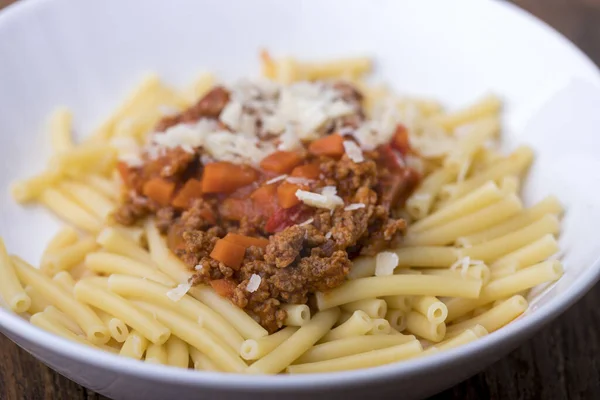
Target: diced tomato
column 308, row 171
column 285, row 217
column 400, row 140
column 223, row 287
column 390, row 158
column 398, row 186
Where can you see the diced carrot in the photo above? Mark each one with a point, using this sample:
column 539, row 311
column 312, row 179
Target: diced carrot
column 331, row 145
column 191, row 190
column 281, row 161
column 123, row 169
column 264, row 200
column 225, row 177
column 223, row 287
column 229, row 253
column 308, row 171
column 286, row 193
column 246, row 241
column 400, row 140
column 264, row 194
column 159, row 190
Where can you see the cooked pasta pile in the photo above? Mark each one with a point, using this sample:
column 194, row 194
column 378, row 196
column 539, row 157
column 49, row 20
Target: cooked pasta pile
column 471, row 252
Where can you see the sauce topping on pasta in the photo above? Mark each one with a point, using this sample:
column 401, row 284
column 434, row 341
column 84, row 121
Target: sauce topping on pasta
column 269, row 191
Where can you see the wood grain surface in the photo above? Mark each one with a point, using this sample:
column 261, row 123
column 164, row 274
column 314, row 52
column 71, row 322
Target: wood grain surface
column 561, row 362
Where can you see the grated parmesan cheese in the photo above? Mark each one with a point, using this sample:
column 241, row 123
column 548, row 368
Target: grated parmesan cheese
column 329, row 191
column 253, row 283
column 385, row 263
column 329, row 202
column 128, row 150
column 276, row 179
column 231, row 115
column 289, row 140
column 236, row 148
column 353, row 151
column 307, row 222
column 354, row 206
column 177, row 293
column 297, row 180
column 346, row 131
column 193, row 135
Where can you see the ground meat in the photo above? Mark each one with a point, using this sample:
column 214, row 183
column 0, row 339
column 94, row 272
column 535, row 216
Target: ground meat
column 284, row 247
column 210, row 106
column 198, row 216
column 165, row 218
column 133, row 209
column 349, row 226
column 197, row 245
column 311, row 274
column 348, row 176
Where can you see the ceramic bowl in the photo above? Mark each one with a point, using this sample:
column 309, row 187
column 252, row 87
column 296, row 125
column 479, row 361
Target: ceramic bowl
column 88, row 54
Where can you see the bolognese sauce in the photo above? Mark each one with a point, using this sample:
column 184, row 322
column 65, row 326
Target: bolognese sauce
column 268, row 192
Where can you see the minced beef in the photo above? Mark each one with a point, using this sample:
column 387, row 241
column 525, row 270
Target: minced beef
column 300, row 258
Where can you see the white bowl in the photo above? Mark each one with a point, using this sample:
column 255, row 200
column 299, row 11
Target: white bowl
column 86, row 55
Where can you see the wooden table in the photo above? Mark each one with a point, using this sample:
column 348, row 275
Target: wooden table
column 561, row 362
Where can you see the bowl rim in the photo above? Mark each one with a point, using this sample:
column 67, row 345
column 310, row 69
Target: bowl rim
column 522, row 327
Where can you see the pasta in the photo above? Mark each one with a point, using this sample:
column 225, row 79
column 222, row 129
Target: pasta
column 146, row 270
column 253, row 349
column 113, row 304
column 349, row 346
column 134, row 346
column 398, row 285
column 297, row 344
column 68, row 256
column 374, row 308
column 10, row 287
column 297, row 314
column 358, row 324
column 108, row 263
column 419, row 325
column 195, row 335
column 93, row 327
column 130, row 287
column 201, row 361
column 485, row 195
column 362, row 360
column 156, row 354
